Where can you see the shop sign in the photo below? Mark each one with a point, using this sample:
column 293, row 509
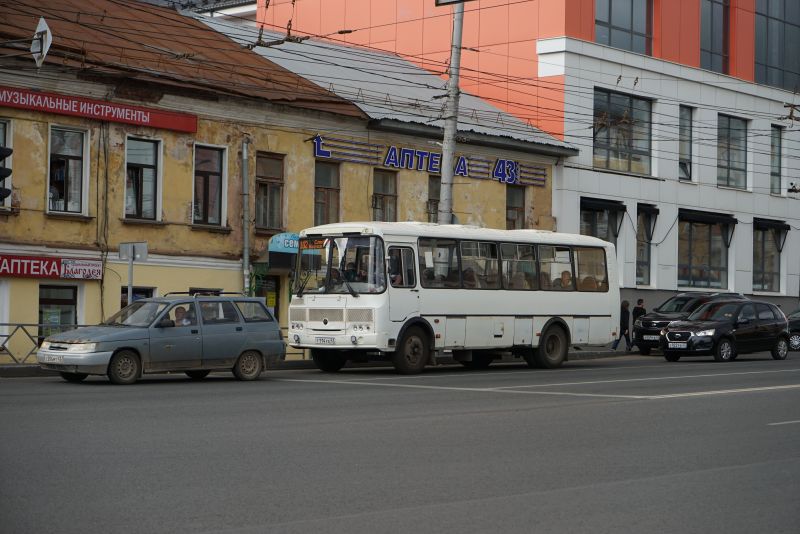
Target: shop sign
column 96, row 109
column 285, row 242
column 42, row 267
column 503, row 170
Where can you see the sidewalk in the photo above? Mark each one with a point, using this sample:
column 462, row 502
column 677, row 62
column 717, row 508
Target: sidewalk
column 585, row 353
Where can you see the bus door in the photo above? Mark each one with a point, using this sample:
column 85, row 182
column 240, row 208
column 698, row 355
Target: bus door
column 403, row 292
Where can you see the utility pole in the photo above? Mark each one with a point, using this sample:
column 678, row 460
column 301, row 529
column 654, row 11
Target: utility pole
column 451, row 119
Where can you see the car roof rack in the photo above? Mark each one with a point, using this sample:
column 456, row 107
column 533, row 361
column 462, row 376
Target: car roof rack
column 205, row 293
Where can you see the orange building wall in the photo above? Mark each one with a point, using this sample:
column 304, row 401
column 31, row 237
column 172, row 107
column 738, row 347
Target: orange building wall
column 502, row 66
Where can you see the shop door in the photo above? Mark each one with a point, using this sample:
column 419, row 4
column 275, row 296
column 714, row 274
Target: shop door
column 58, row 309
column 269, row 287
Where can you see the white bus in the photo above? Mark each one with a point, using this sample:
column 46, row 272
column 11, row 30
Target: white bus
column 412, row 293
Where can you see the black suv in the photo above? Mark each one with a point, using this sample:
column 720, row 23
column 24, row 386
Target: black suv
column 726, row 328
column 647, row 328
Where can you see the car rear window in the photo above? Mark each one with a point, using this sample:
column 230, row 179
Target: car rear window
column 254, row 312
column 676, row 304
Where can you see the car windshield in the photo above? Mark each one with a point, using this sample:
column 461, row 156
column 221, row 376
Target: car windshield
column 340, row 265
column 675, row 304
column 715, row 311
column 139, row 314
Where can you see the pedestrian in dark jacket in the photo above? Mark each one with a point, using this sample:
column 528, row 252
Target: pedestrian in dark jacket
column 638, row 310
column 624, row 326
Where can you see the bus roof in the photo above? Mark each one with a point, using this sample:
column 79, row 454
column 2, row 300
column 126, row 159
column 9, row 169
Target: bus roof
column 454, row 231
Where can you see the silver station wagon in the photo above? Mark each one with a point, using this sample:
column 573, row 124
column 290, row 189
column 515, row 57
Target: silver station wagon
column 193, row 334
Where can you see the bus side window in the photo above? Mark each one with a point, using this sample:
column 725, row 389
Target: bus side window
column 402, row 267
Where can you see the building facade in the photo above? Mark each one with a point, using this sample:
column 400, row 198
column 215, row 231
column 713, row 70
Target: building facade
column 216, row 178
column 683, row 111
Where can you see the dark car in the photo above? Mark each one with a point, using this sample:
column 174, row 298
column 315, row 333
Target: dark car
column 794, row 330
column 647, row 328
column 726, row 328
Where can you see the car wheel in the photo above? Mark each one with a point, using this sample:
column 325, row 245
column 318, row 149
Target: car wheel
column 248, row 366
column 198, row 374
column 794, row 341
column 73, row 377
column 671, row 356
column 412, row 352
column 124, row 367
column 644, row 351
column 479, row 361
column 725, row 351
column 781, row 349
column 328, row 362
column 552, row 350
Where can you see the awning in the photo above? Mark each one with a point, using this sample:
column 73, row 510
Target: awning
column 650, row 209
column 768, row 224
column 599, row 204
column 706, row 217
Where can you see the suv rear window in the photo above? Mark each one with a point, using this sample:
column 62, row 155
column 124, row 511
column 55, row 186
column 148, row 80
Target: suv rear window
column 253, row 312
column 676, row 304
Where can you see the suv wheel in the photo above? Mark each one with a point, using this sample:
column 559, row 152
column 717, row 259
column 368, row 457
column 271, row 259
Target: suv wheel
column 671, row 356
column 725, row 351
column 794, row 341
column 644, row 351
column 781, row 349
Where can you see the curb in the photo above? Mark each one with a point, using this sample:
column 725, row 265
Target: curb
column 30, row 370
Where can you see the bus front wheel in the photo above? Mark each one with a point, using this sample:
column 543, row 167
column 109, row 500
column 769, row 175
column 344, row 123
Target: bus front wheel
column 412, row 352
column 327, row 361
column 552, row 350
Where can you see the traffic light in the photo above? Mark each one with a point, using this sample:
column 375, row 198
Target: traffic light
column 5, row 192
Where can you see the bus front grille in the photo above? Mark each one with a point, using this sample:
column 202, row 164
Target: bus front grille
column 321, row 314
column 360, row 315
column 297, row 314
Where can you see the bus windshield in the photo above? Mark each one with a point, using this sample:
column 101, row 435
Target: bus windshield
column 340, row 265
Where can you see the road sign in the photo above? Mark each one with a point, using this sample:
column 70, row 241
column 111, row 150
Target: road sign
column 133, row 251
column 42, row 40
column 450, row 2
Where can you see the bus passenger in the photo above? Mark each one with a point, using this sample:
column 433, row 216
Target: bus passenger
column 564, row 283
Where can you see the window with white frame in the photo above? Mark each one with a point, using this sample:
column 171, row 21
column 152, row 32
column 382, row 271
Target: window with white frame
column 621, row 132
column 515, row 207
column 768, row 240
column 65, row 184
column 269, row 191
column 434, row 194
column 141, row 181
column 732, row 152
column 5, row 183
column 685, row 143
column 775, row 152
column 703, row 243
column 326, row 193
column 208, row 178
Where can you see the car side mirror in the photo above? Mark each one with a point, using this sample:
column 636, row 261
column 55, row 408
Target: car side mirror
column 166, row 322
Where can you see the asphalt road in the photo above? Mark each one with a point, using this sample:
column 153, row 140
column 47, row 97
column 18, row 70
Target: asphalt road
column 629, row 444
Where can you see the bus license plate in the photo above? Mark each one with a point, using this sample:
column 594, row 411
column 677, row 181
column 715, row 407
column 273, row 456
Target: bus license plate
column 650, row 338
column 324, row 340
column 677, row 345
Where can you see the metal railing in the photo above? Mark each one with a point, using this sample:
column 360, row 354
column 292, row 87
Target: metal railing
column 27, row 337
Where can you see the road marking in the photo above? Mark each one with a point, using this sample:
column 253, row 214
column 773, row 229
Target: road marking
column 784, row 423
column 712, row 375
column 451, row 388
column 724, row 392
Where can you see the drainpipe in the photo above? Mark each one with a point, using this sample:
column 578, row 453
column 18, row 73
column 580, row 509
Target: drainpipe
column 245, row 218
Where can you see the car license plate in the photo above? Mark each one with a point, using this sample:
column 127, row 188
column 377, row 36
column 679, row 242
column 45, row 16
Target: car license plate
column 677, row 345
column 53, row 358
column 650, row 338
column 324, row 340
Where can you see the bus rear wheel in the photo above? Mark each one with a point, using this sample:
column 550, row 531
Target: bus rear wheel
column 412, row 352
column 328, row 361
column 552, row 349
